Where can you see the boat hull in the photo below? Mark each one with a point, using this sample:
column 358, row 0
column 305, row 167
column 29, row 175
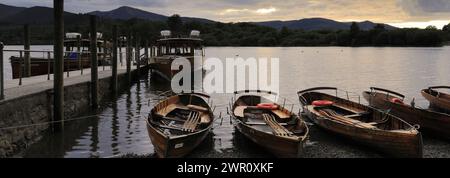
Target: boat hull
column 282, row 147
column 437, row 103
column 393, row 143
column 175, row 147
column 434, row 122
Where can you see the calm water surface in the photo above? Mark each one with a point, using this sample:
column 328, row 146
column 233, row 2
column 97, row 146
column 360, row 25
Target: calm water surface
column 119, row 126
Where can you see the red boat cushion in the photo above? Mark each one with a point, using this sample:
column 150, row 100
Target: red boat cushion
column 270, row 106
column 322, row 103
column 397, row 100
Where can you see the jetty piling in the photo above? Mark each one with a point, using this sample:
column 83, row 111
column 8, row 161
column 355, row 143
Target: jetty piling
column 26, row 37
column 137, row 55
column 80, row 64
column 20, row 68
column 58, row 69
column 94, row 62
column 128, row 56
column 114, row 61
column 2, row 84
column 48, row 65
column 146, row 52
column 120, row 51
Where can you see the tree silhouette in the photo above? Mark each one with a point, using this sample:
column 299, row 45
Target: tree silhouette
column 446, row 28
column 175, row 23
column 354, row 29
column 431, row 27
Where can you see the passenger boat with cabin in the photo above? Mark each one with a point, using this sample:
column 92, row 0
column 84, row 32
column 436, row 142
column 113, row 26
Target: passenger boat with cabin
column 438, row 100
column 393, row 102
column 76, row 57
column 170, row 48
column 269, row 124
column 179, row 123
column 360, row 123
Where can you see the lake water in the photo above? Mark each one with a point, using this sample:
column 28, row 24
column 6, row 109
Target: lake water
column 119, row 126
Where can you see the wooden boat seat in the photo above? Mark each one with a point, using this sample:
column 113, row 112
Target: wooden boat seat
column 197, row 108
column 281, row 114
column 276, row 127
column 239, row 111
column 353, row 110
column 170, row 108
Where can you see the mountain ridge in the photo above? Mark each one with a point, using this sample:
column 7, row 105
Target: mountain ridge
column 44, row 15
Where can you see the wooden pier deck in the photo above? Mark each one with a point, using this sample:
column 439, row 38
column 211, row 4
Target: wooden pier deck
column 40, row 83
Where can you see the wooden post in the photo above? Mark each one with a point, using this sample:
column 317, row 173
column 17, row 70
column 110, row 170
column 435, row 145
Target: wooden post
column 26, row 38
column 80, row 62
column 120, row 51
column 94, row 62
column 114, row 61
column 2, row 85
column 104, row 55
column 129, row 57
column 146, row 52
column 137, row 54
column 58, row 68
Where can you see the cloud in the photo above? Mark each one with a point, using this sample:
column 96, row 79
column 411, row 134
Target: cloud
column 387, row 11
column 424, row 7
column 266, row 10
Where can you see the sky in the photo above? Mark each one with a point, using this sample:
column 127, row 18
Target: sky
column 400, row 13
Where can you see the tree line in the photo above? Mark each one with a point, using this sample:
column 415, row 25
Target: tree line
column 243, row 34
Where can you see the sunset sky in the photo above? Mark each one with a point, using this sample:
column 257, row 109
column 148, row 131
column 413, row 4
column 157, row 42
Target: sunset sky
column 400, row 13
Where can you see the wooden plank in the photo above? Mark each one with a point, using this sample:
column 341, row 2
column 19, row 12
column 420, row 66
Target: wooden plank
column 281, row 114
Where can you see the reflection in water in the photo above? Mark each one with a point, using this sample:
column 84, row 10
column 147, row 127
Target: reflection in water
column 119, row 126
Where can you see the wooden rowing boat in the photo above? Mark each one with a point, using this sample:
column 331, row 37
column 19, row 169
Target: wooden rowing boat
column 273, row 127
column 437, row 99
column 429, row 120
column 178, row 124
column 361, row 123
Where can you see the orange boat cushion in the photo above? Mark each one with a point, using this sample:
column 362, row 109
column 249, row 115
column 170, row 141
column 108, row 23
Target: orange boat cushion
column 397, row 100
column 322, row 103
column 270, row 106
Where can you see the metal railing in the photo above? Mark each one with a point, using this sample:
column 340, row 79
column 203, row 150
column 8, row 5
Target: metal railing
column 71, row 58
column 68, row 60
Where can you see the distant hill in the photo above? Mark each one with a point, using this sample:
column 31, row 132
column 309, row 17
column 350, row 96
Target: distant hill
column 39, row 16
column 44, row 16
column 6, row 10
column 126, row 13
column 318, row 24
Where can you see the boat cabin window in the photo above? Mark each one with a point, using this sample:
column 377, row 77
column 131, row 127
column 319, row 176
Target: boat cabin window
column 180, row 47
column 84, row 45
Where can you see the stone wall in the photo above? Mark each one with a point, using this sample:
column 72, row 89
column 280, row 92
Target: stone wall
column 38, row 108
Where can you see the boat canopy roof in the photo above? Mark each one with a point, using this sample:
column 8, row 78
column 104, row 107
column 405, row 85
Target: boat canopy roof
column 180, row 41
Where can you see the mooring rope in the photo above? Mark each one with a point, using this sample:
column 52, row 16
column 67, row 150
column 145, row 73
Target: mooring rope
column 50, row 122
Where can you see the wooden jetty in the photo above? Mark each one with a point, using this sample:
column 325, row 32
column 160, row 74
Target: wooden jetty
column 31, row 104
